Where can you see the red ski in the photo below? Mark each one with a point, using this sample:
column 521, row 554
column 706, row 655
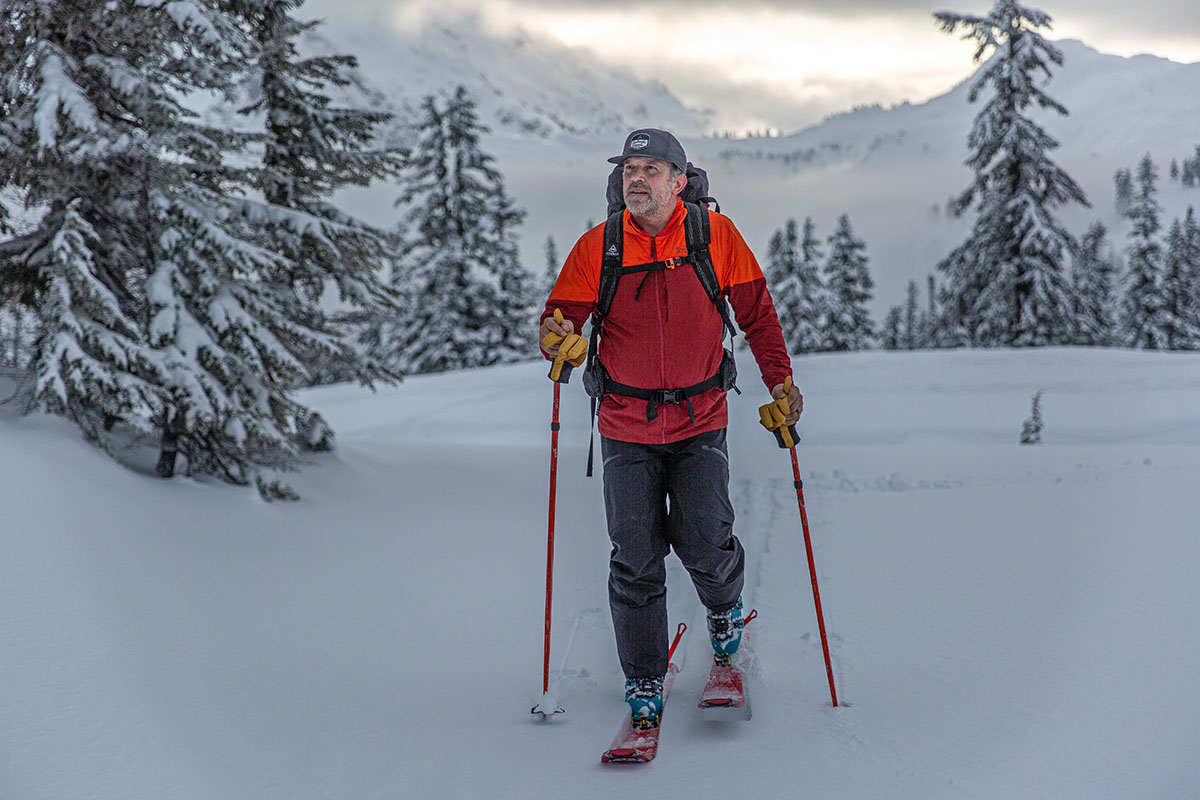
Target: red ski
column 724, row 696
column 640, row 745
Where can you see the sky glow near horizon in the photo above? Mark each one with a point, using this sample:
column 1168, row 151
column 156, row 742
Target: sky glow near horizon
column 781, row 66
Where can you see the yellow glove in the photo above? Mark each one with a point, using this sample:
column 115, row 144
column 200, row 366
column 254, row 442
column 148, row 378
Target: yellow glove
column 773, row 414
column 572, row 349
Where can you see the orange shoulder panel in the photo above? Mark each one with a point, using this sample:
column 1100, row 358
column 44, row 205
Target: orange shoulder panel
column 732, row 257
column 579, row 279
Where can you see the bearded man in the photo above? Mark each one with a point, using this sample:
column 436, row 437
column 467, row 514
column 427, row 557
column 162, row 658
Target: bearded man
column 663, row 426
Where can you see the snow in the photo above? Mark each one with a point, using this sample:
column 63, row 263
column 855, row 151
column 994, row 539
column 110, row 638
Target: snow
column 1004, row 621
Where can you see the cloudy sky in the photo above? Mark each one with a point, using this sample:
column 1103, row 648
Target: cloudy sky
column 787, row 63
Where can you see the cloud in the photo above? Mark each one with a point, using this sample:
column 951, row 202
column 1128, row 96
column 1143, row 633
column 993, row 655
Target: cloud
column 777, row 63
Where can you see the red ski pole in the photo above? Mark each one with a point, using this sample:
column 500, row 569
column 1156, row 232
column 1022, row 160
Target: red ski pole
column 787, row 438
column 560, row 373
column 549, row 705
column 812, row 570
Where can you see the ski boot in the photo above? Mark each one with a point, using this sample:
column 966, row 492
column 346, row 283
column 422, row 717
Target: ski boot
column 645, row 699
column 725, row 629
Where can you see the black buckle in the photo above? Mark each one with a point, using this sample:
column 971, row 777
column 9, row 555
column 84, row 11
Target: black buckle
column 669, row 396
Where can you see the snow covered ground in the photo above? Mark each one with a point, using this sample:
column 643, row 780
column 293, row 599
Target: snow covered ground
column 1005, row 621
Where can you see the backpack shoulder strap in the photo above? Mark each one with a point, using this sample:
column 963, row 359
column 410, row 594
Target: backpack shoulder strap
column 610, row 266
column 698, row 230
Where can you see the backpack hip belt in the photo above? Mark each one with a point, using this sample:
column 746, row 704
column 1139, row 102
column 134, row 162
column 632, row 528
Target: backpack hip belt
column 600, row 384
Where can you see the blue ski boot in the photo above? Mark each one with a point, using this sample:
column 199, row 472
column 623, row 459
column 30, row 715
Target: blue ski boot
column 645, row 698
column 725, row 628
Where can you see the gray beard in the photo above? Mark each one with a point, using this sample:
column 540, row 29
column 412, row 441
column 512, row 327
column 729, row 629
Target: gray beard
column 645, row 206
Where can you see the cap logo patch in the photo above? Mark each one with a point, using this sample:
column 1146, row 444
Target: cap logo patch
column 639, row 142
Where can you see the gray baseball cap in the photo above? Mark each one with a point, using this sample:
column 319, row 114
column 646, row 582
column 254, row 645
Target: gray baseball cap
column 653, row 143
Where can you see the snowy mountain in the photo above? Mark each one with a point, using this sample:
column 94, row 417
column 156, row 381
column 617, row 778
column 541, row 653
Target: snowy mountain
column 893, row 169
column 890, row 169
column 526, row 85
column 1005, row 621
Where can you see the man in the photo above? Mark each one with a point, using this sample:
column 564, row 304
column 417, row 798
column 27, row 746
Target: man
column 666, row 466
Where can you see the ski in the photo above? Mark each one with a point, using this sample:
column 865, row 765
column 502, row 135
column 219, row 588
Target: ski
column 724, row 696
column 640, row 745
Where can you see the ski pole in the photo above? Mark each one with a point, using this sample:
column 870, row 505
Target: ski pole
column 560, row 373
column 786, row 436
column 812, row 570
column 549, row 705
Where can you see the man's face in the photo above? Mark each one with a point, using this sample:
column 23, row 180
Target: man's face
column 648, row 185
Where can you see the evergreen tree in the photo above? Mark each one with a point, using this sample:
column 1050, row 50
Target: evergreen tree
column 312, row 149
column 1143, row 305
column 1094, row 275
column 553, row 265
column 810, row 335
column 470, row 297
column 1123, row 182
column 936, row 328
column 1191, row 236
column 891, row 337
column 1007, row 280
column 1181, row 313
column 97, row 137
column 1031, row 430
column 514, row 302
column 795, row 286
column 89, row 352
column 149, row 256
column 848, row 323
column 912, row 336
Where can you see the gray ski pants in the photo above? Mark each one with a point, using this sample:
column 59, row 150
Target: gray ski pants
column 659, row 497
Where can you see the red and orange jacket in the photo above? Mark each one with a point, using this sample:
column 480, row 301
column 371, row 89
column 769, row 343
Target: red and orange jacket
column 670, row 336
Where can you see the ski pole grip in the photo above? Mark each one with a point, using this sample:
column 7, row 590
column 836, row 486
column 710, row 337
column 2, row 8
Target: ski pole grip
column 782, row 440
column 572, row 352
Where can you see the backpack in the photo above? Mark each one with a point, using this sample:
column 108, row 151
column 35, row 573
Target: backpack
column 698, row 233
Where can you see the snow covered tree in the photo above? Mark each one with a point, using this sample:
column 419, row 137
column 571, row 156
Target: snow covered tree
column 90, row 120
column 1181, row 312
column 848, row 282
column 553, row 265
column 912, row 337
column 514, row 300
column 1191, row 237
column 163, row 308
column 1031, row 430
column 459, row 262
column 795, row 284
column 311, row 149
column 1143, row 305
column 890, row 336
column 1123, row 190
column 89, row 356
column 1007, row 280
column 1093, row 277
